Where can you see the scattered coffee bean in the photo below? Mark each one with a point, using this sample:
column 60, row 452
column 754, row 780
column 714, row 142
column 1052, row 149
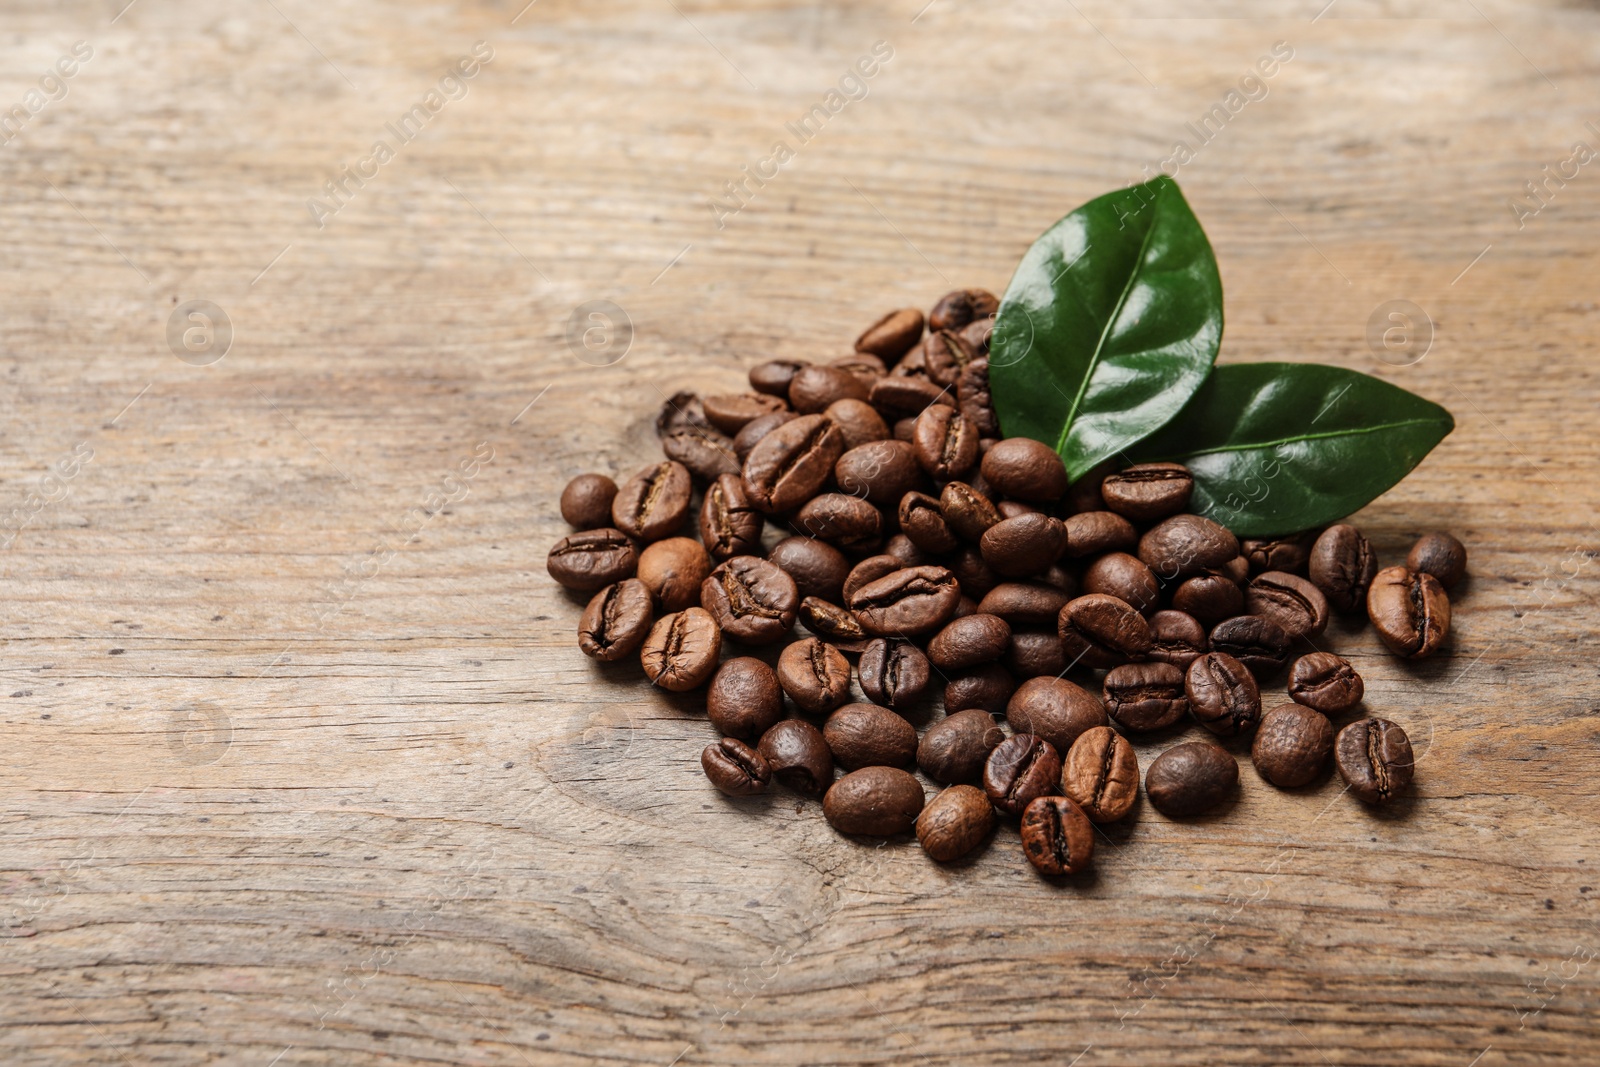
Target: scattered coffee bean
column 1260, row 644
column 731, row 412
column 1325, row 682
column 874, row 802
column 880, row 472
column 1236, row 570
column 1292, row 745
column 1035, row 654
column 865, row 735
column 893, row 335
column 977, row 334
column 1056, row 836
column 592, row 560
column 842, row 520
column 955, row 748
column 1125, row 577
column 1375, row 759
column 1410, row 610
column 1288, row 600
column 1186, row 545
column 735, row 768
column 968, row 512
column 868, row 571
column 1020, row 769
column 774, row 375
column 893, row 673
column 791, row 463
column 1149, row 491
column 681, row 650
column 745, row 441
column 946, row 354
column 815, row 675
column 833, row 624
column 858, row 421
column 586, row 501
column 955, row 309
column 955, row 822
column 974, row 398
column 1176, row 638
column 904, row 398
column 1191, row 779
column 1209, row 597
column 1223, row 695
column 908, row 602
column 1091, row 533
column 744, row 699
column 799, row 757
column 1025, row 545
column 813, row 388
column 706, row 454
column 922, row 521
column 673, row 570
column 1101, row 774
column 1101, row 631
column 986, row 688
column 946, row 442
column 1440, row 555
column 1342, row 565
column 901, row 548
column 616, row 621
column 729, row 525
column 751, row 600
column 653, row 503
column 969, row 641
column 818, row 569
column 682, row 411
column 1025, row 603
column 1025, row 470
column 1145, row 696
column 1289, row 553
column 1055, row 710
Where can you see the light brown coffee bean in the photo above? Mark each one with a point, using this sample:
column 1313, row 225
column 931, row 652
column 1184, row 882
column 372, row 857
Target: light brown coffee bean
column 1101, row 774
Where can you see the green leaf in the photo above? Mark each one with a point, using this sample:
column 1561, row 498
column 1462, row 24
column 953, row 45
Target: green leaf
column 1110, row 324
column 1280, row 447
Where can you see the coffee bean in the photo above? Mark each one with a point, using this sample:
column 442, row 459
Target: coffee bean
column 955, row 748
column 977, row 334
column 910, row 365
column 880, row 472
column 1100, row 631
column 799, row 757
column 652, row 504
column 865, row 735
column 893, row 335
column 954, row 823
column 1026, row 470
column 706, row 454
column 1176, row 638
column 969, row 641
column 592, row 560
column 874, row 802
column 974, row 398
column 1410, row 610
column 1091, row 533
column 955, row 309
column 729, row 524
column 893, row 673
column 1101, row 774
column 858, row 421
column 968, row 512
column 774, row 375
column 1054, row 709
column 1288, row 600
column 1260, row 644
column 906, row 603
column 1375, row 759
column 1209, row 597
column 673, row 570
column 833, row 624
column 1035, row 654
column 1062, row 577
column 901, row 548
column 681, row 650
column 1020, row 769
column 1125, row 577
column 866, row 367
column 1025, row 545
column 946, row 354
column 731, row 412
column 868, row 571
column 905, row 430
column 744, row 699
column 1084, row 494
column 751, row 600
column 1325, row 682
column 586, row 501
column 1025, row 603
column 1440, row 555
column 1342, row 565
column 1148, row 491
column 1186, row 545
column 986, row 688
column 922, row 521
column 818, row 569
column 616, row 621
column 815, row 675
column 745, row 441
column 904, row 397
column 1191, row 778
column 682, row 411
column 735, row 768
column 1290, row 553
column 1145, row 696
column 791, row 463
column 1223, row 695
column 1236, row 570
column 813, row 388
column 1292, row 745
column 972, row 572
column 1057, row 837
column 1010, row 509
column 841, row 520
column 946, row 442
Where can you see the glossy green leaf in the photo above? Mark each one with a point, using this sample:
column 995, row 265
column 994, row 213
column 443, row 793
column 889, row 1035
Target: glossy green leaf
column 1110, row 324
column 1281, row 447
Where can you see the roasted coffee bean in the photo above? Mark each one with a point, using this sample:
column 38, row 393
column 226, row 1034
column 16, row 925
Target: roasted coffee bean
column 968, row 512
column 817, row 568
column 1223, row 695
column 652, row 504
column 841, row 520
column 969, row 641
column 880, row 472
column 1410, row 610
column 815, row 675
column 681, row 650
column 1025, row 545
column 1289, row 553
column 1020, row 769
column 946, row 442
column 586, row 501
column 1055, row 709
column 1209, row 597
column 1176, row 638
column 901, row 548
column 1375, row 759
column 1125, row 577
column 1057, row 837
column 1236, row 570
column 706, row 454
column 592, row 559
column 673, row 570
column 974, row 575
column 977, row 334
column 1186, row 545
column 1101, row 774
column 905, row 430
column 874, row 802
column 986, row 688
column 774, row 375
column 791, row 463
column 975, row 399
column 1148, row 491
column 799, row 757
column 964, row 607
column 1026, row 470
column 957, row 308
column 744, row 699
column 1342, row 565
column 893, row 673
column 729, row 525
column 1100, row 631
column 1062, row 577
column 735, row 768
column 616, row 621
column 954, row 823
column 1025, row 603
column 858, row 420
column 922, row 521
column 905, row 397
column 1084, row 494
column 955, row 748
column 906, row 603
column 681, row 411
column 1440, row 555
column 946, row 354
column 1010, row 509
column 751, row 600
column 910, row 365
column 745, row 441
column 1191, row 779
column 1035, row 654
column 1292, row 745
column 866, row 367
column 1288, row 600
column 1145, row 696
column 865, row 735
column 868, row 571
column 1092, row 533
column 1325, row 682
column 813, row 388
column 731, row 412
column 893, row 335
column 833, row 624
column 1260, row 644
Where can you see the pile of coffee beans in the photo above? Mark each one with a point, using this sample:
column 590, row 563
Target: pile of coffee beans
column 872, row 501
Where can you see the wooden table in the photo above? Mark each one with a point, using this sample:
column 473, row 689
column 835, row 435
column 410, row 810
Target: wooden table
column 302, row 765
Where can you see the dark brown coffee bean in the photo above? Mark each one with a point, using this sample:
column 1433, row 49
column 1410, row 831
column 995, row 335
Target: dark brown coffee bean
column 968, row 512
column 1100, row 631
column 901, row 548
column 946, row 354
column 957, row 308
column 974, row 575
column 1186, row 545
column 858, row 421
column 652, row 504
column 866, row 367
column 1025, row 603
column 1236, row 570
column 1191, row 779
column 986, row 688
column 909, row 602
column 729, row 525
column 815, row 675
column 905, row 430
column 881, row 472
column 910, row 365
column 1036, row 654
column 1022, row 768
column 1062, row 577
column 1375, row 759
column 865, row 735
column 893, row 673
column 946, row 442
column 1325, row 682
column 1342, row 565
column 906, row 397
column 813, row 388
column 735, row 768
column 1054, row 709
column 868, row 571
column 682, row 411
column 845, row 521
column 616, row 621
column 673, row 570
column 955, row 748
column 1010, row 509
column 731, row 412
column 1292, row 745
column 833, row 624
column 681, row 650
column 706, row 454
column 751, row 600
column 1084, row 494
column 1025, row 545
column 974, row 398
column 791, row 463
column 1223, row 695
column 1209, row 597
column 592, row 559
column 1410, row 610
column 1125, row 577
column 1057, row 837
column 745, row 441
column 1026, row 470
column 1290, row 553
column 954, row 823
column 1101, row 774
column 1148, row 491
column 1440, row 555
column 969, row 641
column 799, row 757
column 922, row 521
column 874, row 802
column 1288, row 600
column 1176, row 638
column 977, row 334
column 818, row 569
column 1145, row 696
column 744, row 699
column 893, row 335
column 1260, row 644
column 1091, row 533
column 774, row 375
column 586, row 501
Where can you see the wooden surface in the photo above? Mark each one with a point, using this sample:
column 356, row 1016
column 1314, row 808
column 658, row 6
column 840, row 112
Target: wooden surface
column 301, row 762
